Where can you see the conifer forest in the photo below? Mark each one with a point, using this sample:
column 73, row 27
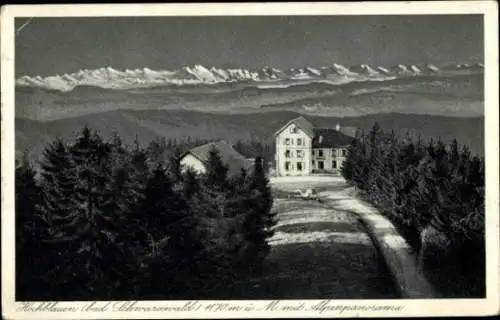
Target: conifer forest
column 99, row 220
column 434, row 194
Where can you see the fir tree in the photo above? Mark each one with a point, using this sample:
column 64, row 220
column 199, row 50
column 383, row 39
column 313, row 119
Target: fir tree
column 389, row 171
column 259, row 220
column 102, row 206
column 374, row 135
column 361, row 169
column 60, row 212
column 216, row 171
column 174, row 165
column 351, row 161
column 123, row 195
column 28, row 195
column 58, row 180
column 260, row 182
column 161, row 205
column 191, row 184
column 31, row 263
column 237, row 196
column 89, row 229
column 156, row 149
column 175, row 243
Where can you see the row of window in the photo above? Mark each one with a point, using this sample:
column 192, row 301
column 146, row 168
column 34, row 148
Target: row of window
column 290, row 142
column 300, row 153
column 300, row 165
column 334, row 152
column 301, row 142
column 321, row 164
column 289, row 166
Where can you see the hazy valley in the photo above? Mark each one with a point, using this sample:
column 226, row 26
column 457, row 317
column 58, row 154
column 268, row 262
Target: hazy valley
column 33, row 135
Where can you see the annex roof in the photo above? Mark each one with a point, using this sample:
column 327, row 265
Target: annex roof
column 229, row 156
column 330, row 138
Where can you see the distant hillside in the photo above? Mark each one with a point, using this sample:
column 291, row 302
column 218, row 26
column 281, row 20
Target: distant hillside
column 437, row 95
column 33, row 135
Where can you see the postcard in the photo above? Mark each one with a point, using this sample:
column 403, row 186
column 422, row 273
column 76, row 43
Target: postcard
column 256, row 160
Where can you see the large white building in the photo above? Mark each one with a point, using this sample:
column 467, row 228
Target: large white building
column 303, row 149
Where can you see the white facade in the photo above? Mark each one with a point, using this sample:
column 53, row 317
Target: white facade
column 329, row 160
column 293, row 152
column 295, row 155
column 190, row 161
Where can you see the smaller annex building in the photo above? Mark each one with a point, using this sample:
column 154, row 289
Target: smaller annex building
column 197, row 158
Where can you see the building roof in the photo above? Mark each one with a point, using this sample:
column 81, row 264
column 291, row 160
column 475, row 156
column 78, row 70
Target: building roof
column 330, row 138
column 229, row 156
column 349, row 131
column 309, row 127
column 302, row 123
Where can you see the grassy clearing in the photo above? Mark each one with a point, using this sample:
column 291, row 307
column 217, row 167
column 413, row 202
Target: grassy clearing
column 319, row 271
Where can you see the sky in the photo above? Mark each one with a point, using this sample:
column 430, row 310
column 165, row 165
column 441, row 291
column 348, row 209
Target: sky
column 48, row 46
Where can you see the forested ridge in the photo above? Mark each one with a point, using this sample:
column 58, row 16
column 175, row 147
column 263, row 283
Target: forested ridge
column 101, row 220
column 146, row 125
column 434, row 193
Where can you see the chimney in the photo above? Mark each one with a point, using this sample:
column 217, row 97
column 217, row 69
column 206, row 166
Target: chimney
column 337, row 127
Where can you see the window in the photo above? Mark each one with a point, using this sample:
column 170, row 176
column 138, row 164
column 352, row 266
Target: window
column 293, row 129
column 287, row 166
column 313, row 163
column 287, row 141
column 300, row 153
column 299, row 166
column 320, row 153
column 344, row 152
column 314, row 153
column 321, row 165
column 299, row 141
column 334, row 164
column 287, row 154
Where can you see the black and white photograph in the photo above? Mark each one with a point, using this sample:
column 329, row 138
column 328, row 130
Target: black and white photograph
column 249, row 157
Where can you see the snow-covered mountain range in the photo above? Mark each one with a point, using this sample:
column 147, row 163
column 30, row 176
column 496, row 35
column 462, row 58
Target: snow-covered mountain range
column 194, row 75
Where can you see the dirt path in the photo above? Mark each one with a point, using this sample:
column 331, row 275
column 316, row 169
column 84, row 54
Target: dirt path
column 319, row 253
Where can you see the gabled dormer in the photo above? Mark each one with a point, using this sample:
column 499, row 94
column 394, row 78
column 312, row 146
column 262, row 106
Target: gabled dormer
column 298, row 123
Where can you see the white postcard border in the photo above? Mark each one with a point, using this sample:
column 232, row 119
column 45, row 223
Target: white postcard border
column 248, row 308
